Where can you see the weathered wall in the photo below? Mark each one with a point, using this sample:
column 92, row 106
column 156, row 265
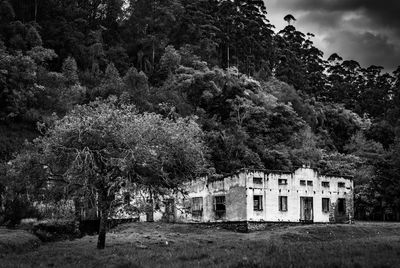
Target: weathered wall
column 239, row 190
column 232, row 187
column 271, row 190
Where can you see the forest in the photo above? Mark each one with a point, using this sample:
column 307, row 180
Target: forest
column 238, row 92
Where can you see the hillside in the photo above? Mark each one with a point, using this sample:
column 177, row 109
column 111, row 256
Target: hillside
column 262, row 97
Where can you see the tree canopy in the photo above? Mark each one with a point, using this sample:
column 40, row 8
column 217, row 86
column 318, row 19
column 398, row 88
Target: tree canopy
column 99, row 147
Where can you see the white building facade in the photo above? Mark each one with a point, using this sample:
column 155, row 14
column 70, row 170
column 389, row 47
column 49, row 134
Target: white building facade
column 265, row 196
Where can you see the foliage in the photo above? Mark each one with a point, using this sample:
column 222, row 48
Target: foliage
column 99, row 147
column 17, row 84
column 261, row 99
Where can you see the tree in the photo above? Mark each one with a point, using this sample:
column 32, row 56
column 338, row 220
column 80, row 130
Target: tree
column 33, row 38
column 111, row 84
column 136, row 89
column 298, row 62
column 148, row 29
column 289, row 18
column 6, row 12
column 98, row 147
column 23, row 180
column 170, row 60
column 70, row 71
column 17, row 84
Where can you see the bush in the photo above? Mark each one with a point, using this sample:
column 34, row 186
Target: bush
column 17, row 209
column 53, row 230
column 63, row 209
column 17, row 241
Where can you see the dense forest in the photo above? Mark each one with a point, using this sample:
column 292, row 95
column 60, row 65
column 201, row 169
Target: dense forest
column 263, row 97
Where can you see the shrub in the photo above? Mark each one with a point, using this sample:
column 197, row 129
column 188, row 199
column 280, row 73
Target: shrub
column 17, row 209
column 53, row 230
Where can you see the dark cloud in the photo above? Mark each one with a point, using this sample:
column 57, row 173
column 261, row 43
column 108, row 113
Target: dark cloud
column 325, row 20
column 368, row 47
column 386, row 12
column 364, row 30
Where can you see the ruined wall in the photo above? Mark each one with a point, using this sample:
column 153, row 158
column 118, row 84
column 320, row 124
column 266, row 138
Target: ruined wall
column 232, row 187
column 239, row 190
column 294, row 191
column 346, row 193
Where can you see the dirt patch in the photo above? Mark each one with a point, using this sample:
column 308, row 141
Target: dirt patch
column 17, row 241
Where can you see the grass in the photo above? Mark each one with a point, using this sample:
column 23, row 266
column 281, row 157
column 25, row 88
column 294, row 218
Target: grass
column 176, row 245
column 16, row 241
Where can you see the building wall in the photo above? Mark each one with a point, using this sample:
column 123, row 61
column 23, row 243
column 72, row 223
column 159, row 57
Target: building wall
column 271, row 190
column 232, row 187
column 239, row 190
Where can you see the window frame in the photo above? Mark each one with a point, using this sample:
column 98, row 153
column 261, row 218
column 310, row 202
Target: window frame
column 327, row 209
column 197, row 212
column 310, row 183
column 341, row 184
column 343, row 206
column 259, row 206
column 282, row 182
column 325, row 184
column 303, row 183
column 281, row 207
column 220, row 213
column 258, row 179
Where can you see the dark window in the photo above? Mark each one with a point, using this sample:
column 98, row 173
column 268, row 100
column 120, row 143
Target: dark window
column 257, row 202
column 283, row 203
column 170, row 206
column 325, row 204
column 257, row 180
column 341, row 184
column 197, row 206
column 219, row 206
column 310, row 183
column 282, row 182
column 325, row 184
column 341, row 206
column 127, row 198
column 302, row 182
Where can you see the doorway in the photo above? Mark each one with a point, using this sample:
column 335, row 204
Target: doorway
column 169, row 214
column 306, row 209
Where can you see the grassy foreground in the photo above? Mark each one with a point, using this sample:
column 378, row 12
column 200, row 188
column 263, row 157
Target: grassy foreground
column 16, row 241
column 175, row 245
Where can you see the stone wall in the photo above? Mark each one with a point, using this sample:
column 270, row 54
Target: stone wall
column 248, row 226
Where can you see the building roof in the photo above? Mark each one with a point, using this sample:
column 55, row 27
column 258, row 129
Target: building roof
column 269, row 171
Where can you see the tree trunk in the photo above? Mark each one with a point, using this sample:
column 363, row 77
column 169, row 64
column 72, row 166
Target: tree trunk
column 150, row 209
column 228, row 56
column 36, row 8
column 101, row 241
column 153, row 55
column 77, row 214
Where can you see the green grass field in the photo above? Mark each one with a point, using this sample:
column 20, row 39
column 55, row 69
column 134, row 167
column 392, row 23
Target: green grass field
column 176, row 245
column 16, row 241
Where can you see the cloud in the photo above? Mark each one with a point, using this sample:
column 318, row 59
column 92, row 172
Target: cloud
column 367, row 47
column 365, row 30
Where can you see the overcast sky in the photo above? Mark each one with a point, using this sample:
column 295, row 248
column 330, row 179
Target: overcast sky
column 367, row 31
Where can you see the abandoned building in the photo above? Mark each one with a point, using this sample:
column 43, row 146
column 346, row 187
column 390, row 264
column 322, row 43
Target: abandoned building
column 244, row 200
column 264, row 196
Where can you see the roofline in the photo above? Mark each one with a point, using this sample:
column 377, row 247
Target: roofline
column 271, row 171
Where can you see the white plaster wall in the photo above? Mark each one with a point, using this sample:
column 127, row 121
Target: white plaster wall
column 239, row 190
column 232, row 187
column 294, row 191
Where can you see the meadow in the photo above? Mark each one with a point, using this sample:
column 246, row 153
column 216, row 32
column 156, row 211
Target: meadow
column 178, row 245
